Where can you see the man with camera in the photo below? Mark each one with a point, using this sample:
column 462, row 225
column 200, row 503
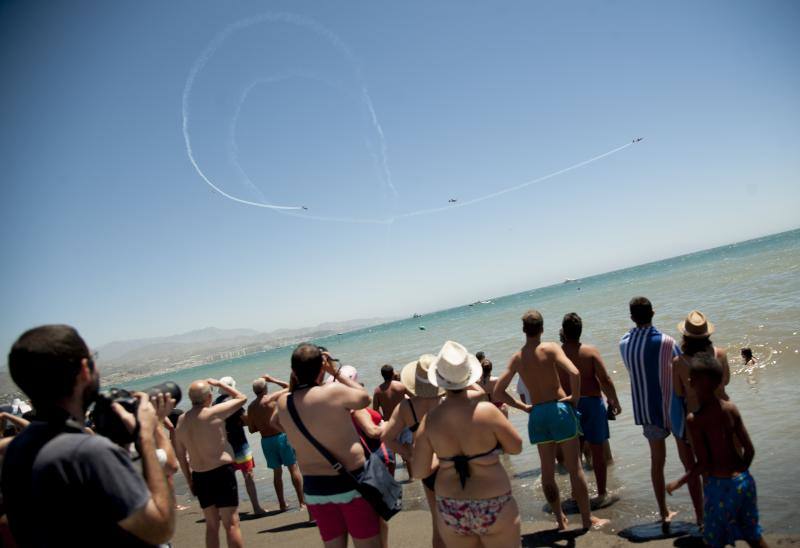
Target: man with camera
column 98, row 496
column 200, row 434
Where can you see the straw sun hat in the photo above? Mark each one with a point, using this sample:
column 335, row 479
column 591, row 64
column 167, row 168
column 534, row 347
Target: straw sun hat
column 696, row 326
column 414, row 377
column 454, row 368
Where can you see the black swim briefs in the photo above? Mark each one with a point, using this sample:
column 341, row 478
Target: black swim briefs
column 216, row 487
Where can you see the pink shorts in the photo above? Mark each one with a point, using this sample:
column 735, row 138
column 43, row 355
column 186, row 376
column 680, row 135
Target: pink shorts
column 337, row 519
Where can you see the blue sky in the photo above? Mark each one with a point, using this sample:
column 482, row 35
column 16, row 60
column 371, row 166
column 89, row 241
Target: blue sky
column 107, row 226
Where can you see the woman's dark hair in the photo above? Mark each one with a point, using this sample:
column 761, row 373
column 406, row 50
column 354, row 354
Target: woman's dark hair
column 45, row 362
column 641, row 310
column 455, row 391
column 694, row 345
column 306, row 363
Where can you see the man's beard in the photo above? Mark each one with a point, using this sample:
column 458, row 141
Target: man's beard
column 90, row 392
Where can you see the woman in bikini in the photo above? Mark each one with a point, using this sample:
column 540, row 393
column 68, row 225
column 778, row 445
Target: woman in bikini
column 473, row 492
column 401, row 430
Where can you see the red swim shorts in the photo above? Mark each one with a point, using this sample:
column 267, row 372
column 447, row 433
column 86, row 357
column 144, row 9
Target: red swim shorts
column 336, row 519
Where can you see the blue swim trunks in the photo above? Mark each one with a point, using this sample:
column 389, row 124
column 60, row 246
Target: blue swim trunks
column 277, row 451
column 553, row 422
column 677, row 416
column 730, row 509
column 594, row 419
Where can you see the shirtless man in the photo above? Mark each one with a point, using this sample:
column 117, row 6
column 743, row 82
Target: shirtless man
column 595, row 382
column 325, row 409
column 277, row 450
column 552, row 420
column 200, row 433
column 388, row 394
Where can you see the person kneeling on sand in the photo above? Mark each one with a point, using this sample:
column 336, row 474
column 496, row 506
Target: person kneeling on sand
column 715, row 428
column 200, row 434
column 325, row 409
column 277, row 450
column 473, row 492
column 552, row 422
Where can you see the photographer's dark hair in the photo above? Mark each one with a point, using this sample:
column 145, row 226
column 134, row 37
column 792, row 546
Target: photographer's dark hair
column 572, row 327
column 45, row 361
column 694, row 345
column 306, row 363
column 387, row 372
column 641, row 310
column 532, row 323
column 705, row 364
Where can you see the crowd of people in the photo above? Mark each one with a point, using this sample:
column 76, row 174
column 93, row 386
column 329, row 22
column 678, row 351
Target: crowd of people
column 444, row 415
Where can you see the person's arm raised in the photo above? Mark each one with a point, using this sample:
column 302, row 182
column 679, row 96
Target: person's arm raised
column 500, row 388
column 273, row 380
column 422, row 456
column 231, row 405
column 566, row 365
column 349, row 393
column 606, row 384
column 154, row 523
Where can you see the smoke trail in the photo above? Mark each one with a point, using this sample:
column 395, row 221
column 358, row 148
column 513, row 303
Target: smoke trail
column 297, row 20
column 511, row 188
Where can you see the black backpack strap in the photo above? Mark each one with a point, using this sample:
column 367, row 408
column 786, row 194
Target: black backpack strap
column 303, row 430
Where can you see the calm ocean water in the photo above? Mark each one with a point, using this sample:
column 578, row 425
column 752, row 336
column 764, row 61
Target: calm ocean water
column 751, row 291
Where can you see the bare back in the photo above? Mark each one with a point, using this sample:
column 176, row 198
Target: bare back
column 715, row 430
column 202, row 433
column 260, row 412
column 536, row 365
column 329, row 422
column 387, row 397
column 583, row 356
column 467, row 426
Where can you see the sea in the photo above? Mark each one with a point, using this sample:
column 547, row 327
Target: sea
column 749, row 290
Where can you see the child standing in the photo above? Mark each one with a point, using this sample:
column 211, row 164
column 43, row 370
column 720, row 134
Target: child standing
column 730, row 509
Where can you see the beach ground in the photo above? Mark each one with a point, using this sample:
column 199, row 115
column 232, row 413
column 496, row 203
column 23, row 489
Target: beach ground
column 410, row 529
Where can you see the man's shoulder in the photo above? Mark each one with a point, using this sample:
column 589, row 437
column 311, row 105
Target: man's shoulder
column 76, row 449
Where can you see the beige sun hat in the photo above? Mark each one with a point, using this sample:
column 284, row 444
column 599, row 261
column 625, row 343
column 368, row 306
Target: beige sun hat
column 454, row 368
column 414, row 377
column 696, row 326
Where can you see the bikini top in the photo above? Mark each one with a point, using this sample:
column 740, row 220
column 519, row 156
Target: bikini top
column 461, row 462
column 414, row 427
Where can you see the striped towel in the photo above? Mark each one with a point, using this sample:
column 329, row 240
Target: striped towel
column 647, row 354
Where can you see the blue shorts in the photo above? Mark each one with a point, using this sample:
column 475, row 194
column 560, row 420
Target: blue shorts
column 553, row 422
column 730, row 510
column 677, row 416
column 594, row 420
column 277, row 451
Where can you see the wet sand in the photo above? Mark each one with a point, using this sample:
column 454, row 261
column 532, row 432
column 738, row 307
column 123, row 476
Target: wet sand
column 411, row 529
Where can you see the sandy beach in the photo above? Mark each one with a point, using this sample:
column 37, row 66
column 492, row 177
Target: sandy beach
column 412, row 529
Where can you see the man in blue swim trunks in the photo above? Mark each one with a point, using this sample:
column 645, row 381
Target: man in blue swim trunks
column 553, row 421
column 595, row 382
column 276, row 447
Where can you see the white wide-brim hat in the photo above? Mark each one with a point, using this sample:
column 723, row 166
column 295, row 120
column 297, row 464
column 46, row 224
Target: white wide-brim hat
column 454, row 368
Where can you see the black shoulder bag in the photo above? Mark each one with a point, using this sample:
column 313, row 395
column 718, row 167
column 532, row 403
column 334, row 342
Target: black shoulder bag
column 375, row 484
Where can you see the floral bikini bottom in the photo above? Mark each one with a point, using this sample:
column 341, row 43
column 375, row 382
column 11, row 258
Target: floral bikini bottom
column 471, row 517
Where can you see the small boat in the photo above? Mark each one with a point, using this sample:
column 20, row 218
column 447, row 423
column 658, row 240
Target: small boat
column 416, row 315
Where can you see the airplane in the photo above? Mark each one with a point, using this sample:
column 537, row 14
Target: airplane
column 637, row 139
column 452, row 200
column 304, row 208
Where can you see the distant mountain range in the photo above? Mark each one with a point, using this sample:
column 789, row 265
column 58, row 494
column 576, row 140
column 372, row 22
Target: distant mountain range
column 124, row 360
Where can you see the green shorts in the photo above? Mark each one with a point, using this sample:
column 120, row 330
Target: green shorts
column 277, row 451
column 553, row 422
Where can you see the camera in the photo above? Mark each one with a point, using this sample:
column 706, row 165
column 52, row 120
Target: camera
column 107, row 423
